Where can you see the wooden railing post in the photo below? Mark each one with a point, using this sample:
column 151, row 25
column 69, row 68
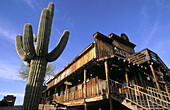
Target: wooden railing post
column 166, row 88
column 155, row 79
column 147, row 54
column 107, row 77
column 85, row 89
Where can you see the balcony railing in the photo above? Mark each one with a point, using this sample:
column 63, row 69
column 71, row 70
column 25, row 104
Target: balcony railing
column 140, row 98
column 146, row 55
column 154, row 92
column 96, row 89
column 139, row 57
column 91, row 91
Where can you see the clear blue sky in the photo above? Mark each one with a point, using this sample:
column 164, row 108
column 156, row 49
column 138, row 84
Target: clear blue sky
column 146, row 22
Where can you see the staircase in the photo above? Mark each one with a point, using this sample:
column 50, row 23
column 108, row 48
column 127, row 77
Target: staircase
column 138, row 98
column 154, row 92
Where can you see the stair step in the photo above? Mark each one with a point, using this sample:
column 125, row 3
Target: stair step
column 144, row 103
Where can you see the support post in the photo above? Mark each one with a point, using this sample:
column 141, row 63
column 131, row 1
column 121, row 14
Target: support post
column 65, row 96
column 85, row 106
column 155, row 79
column 127, row 79
column 107, row 77
column 85, row 72
column 110, row 104
column 126, row 76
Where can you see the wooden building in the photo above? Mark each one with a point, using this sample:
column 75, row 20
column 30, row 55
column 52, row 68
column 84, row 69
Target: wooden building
column 108, row 75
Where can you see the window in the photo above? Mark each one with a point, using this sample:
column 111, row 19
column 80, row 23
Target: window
column 55, row 81
column 62, row 76
column 67, row 72
column 58, row 78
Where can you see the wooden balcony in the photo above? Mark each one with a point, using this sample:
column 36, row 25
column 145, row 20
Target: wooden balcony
column 145, row 98
column 95, row 90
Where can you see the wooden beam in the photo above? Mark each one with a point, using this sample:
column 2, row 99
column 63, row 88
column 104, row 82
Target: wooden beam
column 153, row 73
column 110, row 104
column 85, row 73
column 107, row 77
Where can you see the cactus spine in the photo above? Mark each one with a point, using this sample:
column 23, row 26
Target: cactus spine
column 38, row 57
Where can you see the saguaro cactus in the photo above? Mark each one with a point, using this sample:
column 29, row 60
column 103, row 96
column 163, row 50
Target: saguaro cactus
column 38, row 57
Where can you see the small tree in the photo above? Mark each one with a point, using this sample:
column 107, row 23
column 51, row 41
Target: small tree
column 24, row 71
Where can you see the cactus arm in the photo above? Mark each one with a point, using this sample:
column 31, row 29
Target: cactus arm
column 34, row 38
column 27, row 63
column 41, row 47
column 51, row 13
column 19, row 47
column 28, row 45
column 51, row 9
column 53, row 55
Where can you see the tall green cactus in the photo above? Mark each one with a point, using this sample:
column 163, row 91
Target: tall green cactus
column 38, row 57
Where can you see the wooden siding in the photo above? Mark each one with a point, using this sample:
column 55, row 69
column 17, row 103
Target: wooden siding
column 83, row 58
column 103, row 46
column 123, row 47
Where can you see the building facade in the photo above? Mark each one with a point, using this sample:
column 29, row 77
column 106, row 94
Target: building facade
column 108, row 75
